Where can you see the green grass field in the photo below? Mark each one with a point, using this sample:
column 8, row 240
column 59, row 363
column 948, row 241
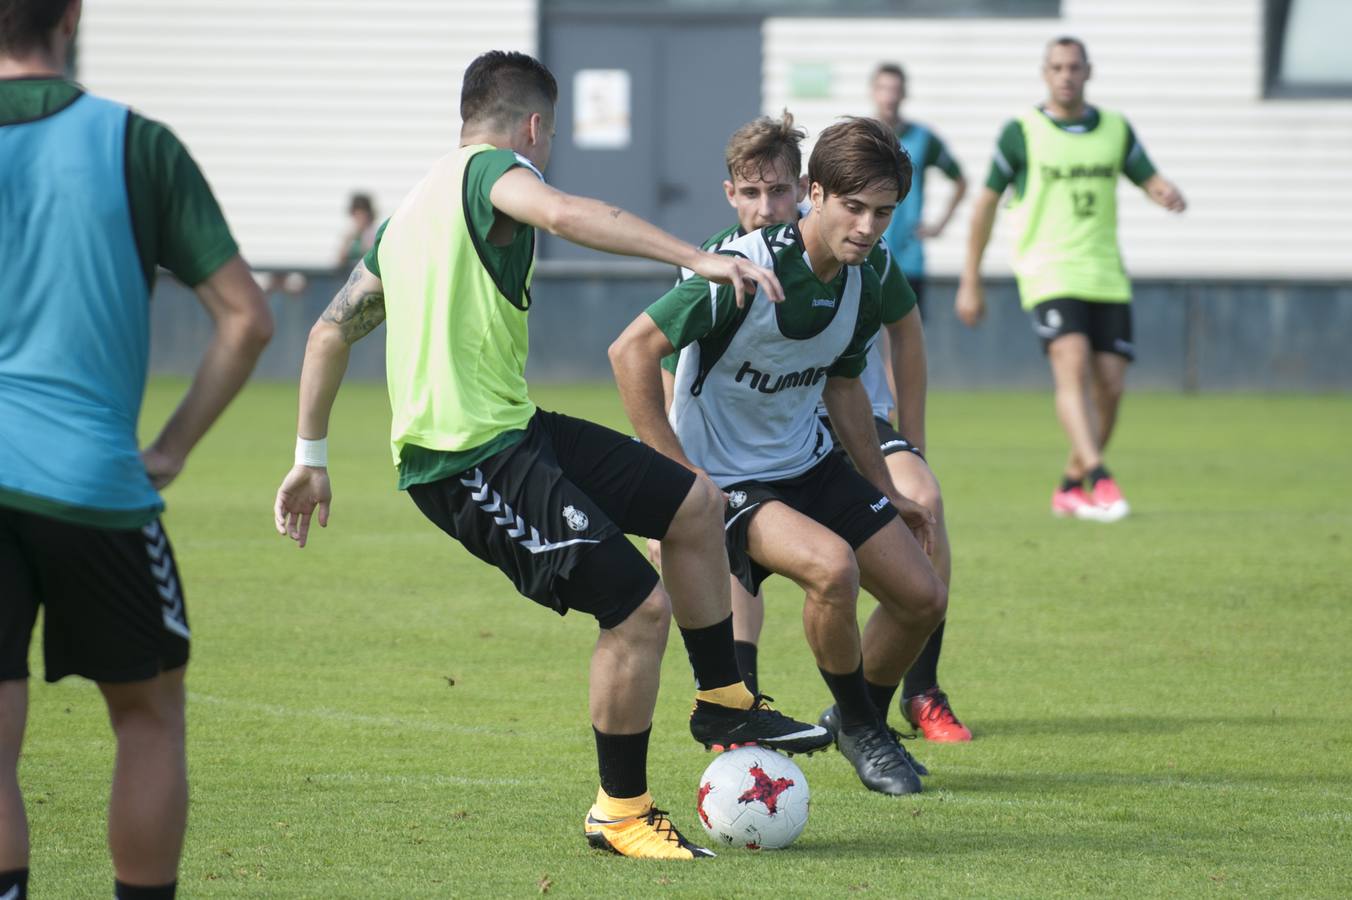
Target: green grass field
column 1162, row 706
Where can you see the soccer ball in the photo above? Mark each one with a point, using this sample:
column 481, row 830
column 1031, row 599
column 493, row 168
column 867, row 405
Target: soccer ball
column 753, row 798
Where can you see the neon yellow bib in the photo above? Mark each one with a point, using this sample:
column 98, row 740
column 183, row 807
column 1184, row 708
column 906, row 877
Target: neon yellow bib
column 455, row 346
column 1066, row 245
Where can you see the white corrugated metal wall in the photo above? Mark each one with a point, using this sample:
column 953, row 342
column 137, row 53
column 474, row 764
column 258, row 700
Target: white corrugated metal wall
column 290, row 105
column 1269, row 181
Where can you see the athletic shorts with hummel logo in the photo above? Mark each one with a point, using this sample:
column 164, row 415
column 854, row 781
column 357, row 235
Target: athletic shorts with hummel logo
column 551, row 513
column 830, row 493
column 1106, row 324
column 113, row 604
column 889, row 439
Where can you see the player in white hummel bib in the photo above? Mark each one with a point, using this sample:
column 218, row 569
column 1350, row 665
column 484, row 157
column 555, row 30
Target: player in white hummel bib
column 747, row 386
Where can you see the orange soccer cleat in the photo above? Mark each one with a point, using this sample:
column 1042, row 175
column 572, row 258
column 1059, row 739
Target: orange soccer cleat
column 930, row 713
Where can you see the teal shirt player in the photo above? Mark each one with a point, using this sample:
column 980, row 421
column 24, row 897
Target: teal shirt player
column 68, row 419
column 925, row 150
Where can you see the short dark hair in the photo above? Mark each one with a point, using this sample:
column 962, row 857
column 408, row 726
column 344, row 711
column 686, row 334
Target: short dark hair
column 25, row 24
column 501, row 87
column 856, row 153
column 361, row 203
column 757, row 146
column 890, row 68
column 1066, row 40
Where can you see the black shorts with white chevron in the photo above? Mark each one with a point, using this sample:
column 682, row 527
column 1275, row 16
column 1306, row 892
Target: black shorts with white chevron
column 114, row 608
column 551, row 513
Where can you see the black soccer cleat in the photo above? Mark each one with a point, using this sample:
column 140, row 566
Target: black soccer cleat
column 830, row 720
column 878, row 759
column 723, row 728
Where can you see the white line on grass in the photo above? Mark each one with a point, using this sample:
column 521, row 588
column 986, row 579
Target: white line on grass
column 457, row 780
column 345, row 718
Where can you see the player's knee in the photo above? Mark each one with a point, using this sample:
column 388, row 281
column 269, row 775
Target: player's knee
column 1110, row 392
column 927, row 495
column 652, row 617
column 933, row 605
column 833, row 575
column 152, row 707
column 701, row 511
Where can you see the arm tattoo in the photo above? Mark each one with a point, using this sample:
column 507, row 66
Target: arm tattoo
column 616, row 212
column 356, row 312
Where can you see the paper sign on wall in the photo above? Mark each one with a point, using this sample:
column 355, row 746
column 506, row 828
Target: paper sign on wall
column 601, row 118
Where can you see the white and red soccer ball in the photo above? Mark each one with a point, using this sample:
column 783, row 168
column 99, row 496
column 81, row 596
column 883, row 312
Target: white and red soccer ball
column 753, row 798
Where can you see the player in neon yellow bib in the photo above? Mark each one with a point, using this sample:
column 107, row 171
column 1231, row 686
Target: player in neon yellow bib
column 544, row 497
column 1063, row 160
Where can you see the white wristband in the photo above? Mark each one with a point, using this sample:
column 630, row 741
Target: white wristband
column 312, row 453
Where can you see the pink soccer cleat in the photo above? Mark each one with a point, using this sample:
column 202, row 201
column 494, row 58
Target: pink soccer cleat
column 1067, row 504
column 1107, row 502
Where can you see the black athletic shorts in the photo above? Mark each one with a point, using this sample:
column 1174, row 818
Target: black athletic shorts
column 889, row 439
column 830, row 493
column 1107, row 325
column 551, row 513
column 113, row 607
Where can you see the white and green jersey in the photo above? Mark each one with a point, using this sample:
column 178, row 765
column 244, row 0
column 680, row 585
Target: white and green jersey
column 748, row 380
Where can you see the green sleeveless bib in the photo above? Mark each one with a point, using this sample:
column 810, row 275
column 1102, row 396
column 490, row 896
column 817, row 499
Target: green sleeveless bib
column 1067, row 217
column 455, row 352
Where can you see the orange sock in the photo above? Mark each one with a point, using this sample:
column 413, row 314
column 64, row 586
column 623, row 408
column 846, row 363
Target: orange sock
column 734, row 695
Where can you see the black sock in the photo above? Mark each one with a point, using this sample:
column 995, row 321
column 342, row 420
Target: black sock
column 712, row 655
column 924, row 672
column 746, row 661
column 12, row 879
column 1097, row 474
column 623, row 761
column 881, row 695
column 1068, row 483
column 852, row 699
column 135, row 892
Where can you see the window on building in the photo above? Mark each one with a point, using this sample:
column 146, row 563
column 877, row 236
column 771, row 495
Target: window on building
column 1306, row 48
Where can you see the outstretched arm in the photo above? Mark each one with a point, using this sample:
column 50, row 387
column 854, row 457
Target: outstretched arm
column 600, row 226
column 354, row 313
column 970, row 304
column 243, row 326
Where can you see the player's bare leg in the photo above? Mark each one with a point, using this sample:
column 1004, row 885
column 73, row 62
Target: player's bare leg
column 13, row 822
column 1110, row 375
column 625, row 670
column 823, row 565
column 748, row 618
column 748, row 613
column 1069, row 356
column 148, row 808
column 912, row 601
column 626, row 665
column 690, row 549
column 925, row 706
column 915, row 481
column 695, row 570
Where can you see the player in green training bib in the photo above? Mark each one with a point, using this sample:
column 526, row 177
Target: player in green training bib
column 748, row 386
column 544, row 497
column 1063, row 159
